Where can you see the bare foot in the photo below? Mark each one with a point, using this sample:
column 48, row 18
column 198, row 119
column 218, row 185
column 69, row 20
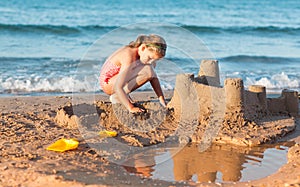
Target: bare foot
column 114, row 99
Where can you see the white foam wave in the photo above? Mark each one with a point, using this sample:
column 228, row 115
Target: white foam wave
column 59, row 84
column 275, row 82
column 36, row 84
column 89, row 83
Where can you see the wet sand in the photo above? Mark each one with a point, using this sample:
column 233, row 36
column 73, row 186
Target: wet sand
column 30, row 124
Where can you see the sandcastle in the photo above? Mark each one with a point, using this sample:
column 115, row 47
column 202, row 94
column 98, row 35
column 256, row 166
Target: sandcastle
column 253, row 102
column 200, row 110
column 243, row 117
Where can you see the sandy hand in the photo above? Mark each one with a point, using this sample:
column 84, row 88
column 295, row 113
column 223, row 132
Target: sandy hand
column 136, row 110
column 130, row 99
column 162, row 102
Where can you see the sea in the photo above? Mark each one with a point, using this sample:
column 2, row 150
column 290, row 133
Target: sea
column 58, row 47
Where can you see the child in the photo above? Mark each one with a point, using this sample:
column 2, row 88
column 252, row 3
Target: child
column 132, row 66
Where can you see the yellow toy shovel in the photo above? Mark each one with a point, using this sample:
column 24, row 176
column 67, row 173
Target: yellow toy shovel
column 105, row 133
column 63, row 144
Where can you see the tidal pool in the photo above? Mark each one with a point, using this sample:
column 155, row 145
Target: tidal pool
column 219, row 163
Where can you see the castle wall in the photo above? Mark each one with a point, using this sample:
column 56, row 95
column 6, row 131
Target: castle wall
column 206, row 92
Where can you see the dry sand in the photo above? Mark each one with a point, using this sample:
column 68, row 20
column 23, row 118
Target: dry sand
column 30, row 124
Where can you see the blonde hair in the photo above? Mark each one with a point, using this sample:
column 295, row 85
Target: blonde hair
column 153, row 42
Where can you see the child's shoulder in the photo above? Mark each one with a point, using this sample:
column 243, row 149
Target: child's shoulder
column 123, row 54
column 122, row 50
column 126, row 49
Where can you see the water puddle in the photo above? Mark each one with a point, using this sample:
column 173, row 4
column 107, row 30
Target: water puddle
column 219, row 163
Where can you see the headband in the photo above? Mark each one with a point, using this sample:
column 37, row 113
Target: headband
column 163, row 47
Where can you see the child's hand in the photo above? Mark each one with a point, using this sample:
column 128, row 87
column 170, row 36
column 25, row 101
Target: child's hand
column 136, row 110
column 130, row 99
column 162, row 101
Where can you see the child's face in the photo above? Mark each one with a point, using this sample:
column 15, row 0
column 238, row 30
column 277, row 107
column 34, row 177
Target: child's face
column 148, row 56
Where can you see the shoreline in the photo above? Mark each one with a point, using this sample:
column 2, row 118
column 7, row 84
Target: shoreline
column 58, row 94
column 28, row 127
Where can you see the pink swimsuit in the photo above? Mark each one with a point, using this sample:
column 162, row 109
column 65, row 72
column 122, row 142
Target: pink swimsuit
column 108, row 70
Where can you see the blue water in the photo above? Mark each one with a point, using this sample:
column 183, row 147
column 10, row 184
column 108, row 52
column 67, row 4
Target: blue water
column 43, row 44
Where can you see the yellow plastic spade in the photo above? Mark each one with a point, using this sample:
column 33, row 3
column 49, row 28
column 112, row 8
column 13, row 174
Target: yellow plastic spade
column 63, row 144
column 105, row 133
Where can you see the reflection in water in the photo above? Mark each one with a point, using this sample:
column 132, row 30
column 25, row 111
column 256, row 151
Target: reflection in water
column 145, row 171
column 206, row 164
column 218, row 163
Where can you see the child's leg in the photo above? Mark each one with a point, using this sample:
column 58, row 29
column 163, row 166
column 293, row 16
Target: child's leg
column 135, row 78
column 138, row 77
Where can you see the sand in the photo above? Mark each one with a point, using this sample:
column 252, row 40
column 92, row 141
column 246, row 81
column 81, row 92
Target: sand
column 30, row 124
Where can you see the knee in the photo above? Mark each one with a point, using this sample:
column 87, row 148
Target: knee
column 149, row 72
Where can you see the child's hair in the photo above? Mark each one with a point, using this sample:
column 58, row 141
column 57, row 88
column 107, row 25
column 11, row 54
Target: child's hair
column 153, row 42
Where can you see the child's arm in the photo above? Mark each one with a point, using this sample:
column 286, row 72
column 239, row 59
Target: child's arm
column 157, row 89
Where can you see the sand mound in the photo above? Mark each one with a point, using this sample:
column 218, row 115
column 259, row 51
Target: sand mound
column 157, row 124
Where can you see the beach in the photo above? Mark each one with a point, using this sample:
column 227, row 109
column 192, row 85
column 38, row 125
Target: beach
column 230, row 76
column 28, row 127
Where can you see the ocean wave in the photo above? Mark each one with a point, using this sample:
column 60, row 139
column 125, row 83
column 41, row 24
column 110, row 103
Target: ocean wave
column 22, row 59
column 63, row 75
column 87, row 84
column 243, row 29
column 52, row 29
column 275, row 82
column 258, row 59
column 62, row 84
column 78, row 29
column 40, row 65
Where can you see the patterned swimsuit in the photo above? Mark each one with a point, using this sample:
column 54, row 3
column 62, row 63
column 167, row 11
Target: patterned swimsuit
column 108, row 70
